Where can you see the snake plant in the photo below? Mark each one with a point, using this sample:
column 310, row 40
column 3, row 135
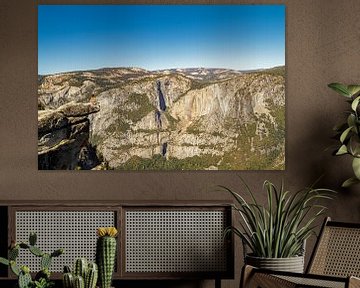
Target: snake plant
column 279, row 228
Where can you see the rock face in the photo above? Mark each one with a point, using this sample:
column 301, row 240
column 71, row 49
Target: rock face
column 63, row 137
column 174, row 119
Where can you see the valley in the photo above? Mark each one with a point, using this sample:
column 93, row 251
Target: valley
column 176, row 119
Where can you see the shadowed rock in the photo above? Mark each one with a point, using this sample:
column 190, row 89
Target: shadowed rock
column 62, row 133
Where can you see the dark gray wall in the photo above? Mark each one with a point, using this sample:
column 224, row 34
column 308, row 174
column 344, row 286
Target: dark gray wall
column 323, row 46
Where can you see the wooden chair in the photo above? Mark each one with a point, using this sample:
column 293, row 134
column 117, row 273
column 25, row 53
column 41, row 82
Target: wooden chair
column 335, row 262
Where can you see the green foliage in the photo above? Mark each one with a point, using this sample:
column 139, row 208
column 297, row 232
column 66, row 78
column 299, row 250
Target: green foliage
column 159, row 162
column 43, row 283
column 198, row 84
column 172, row 121
column 252, row 150
column 348, row 132
column 42, row 278
column 279, row 229
column 133, row 110
column 275, row 71
column 195, row 127
column 142, row 104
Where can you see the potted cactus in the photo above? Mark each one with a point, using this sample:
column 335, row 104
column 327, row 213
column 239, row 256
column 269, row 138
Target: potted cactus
column 85, row 275
column 106, row 254
column 42, row 278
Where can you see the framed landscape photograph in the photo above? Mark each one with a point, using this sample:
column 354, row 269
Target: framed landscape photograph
column 161, row 87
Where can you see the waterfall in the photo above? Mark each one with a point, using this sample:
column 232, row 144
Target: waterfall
column 164, row 149
column 162, row 104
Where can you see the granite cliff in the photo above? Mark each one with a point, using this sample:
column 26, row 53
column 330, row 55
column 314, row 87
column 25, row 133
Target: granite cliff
column 177, row 119
column 63, row 137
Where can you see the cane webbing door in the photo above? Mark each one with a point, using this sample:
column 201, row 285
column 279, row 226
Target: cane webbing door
column 73, row 230
column 166, row 241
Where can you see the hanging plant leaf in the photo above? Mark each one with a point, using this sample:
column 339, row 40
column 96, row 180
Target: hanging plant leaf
column 353, row 89
column 342, row 150
column 345, row 134
column 340, row 88
column 351, row 120
column 355, row 103
column 354, row 145
column 356, row 167
column 349, row 182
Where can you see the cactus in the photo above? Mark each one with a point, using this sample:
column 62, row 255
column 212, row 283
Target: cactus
column 45, row 261
column 4, row 261
column 13, row 253
column 90, row 272
column 68, row 280
column 36, row 251
column 24, row 278
column 80, row 268
column 57, row 252
column 67, row 269
column 24, row 245
column 14, row 268
column 91, row 276
column 32, row 238
column 105, row 254
column 79, row 282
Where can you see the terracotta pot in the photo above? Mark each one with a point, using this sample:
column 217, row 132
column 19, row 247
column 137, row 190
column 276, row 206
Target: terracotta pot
column 291, row 264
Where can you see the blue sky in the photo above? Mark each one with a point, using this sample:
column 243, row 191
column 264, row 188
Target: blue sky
column 82, row 37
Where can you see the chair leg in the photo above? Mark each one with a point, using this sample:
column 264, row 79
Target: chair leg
column 246, row 274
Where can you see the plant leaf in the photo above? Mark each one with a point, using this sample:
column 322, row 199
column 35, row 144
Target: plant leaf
column 342, row 150
column 355, row 103
column 356, row 167
column 353, row 89
column 345, row 134
column 349, row 182
column 340, row 88
column 351, row 120
column 354, row 145
column 279, row 228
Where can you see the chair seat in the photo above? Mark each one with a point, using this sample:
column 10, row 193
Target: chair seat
column 314, row 282
column 268, row 279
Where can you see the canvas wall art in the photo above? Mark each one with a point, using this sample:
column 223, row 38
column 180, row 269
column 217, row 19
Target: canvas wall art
column 161, row 87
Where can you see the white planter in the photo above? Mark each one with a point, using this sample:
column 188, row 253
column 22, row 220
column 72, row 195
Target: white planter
column 291, row 264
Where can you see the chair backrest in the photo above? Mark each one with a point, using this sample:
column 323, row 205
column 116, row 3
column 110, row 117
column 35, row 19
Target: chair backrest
column 337, row 251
